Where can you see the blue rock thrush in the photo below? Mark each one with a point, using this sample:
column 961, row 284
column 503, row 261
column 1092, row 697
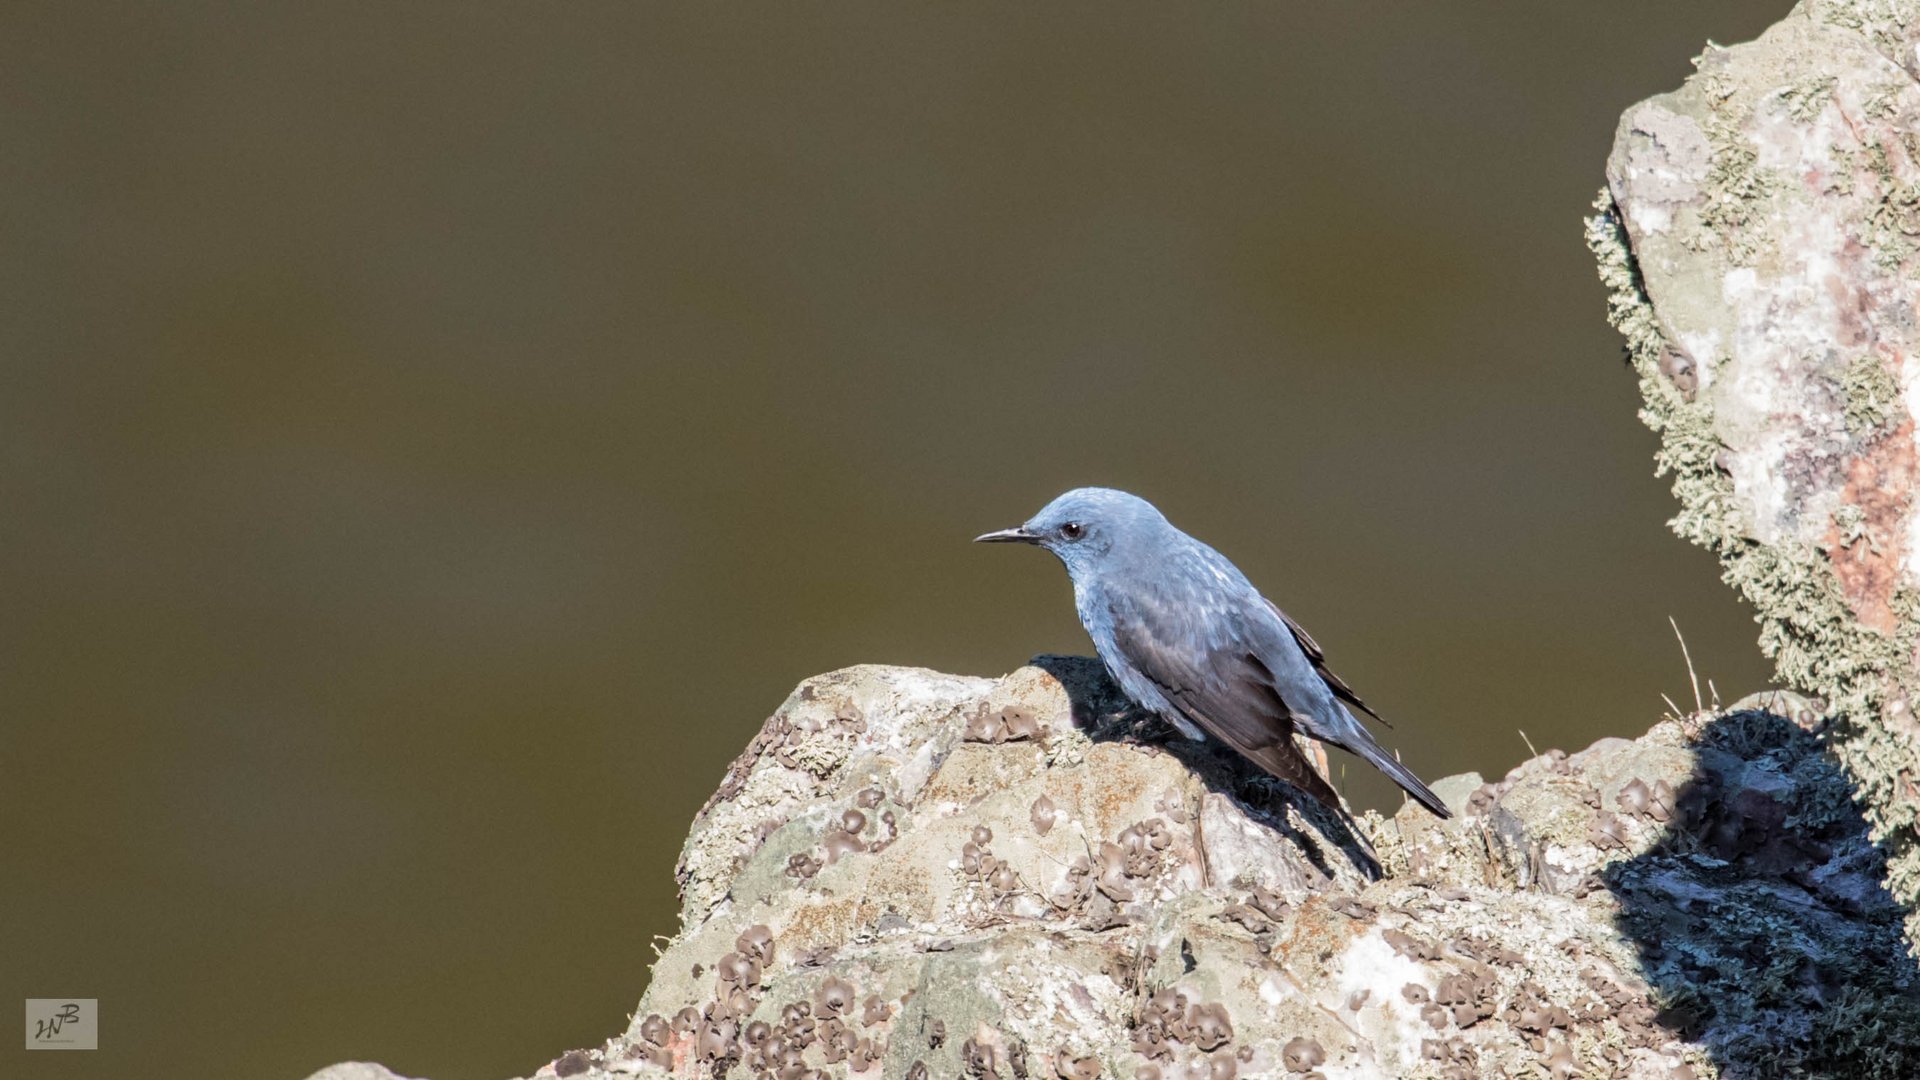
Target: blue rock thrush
column 1187, row 636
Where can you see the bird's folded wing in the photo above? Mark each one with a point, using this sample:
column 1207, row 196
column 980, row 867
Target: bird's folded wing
column 1319, row 657
column 1203, row 667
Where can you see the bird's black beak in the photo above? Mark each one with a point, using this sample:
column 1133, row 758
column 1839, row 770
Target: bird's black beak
column 1007, row 536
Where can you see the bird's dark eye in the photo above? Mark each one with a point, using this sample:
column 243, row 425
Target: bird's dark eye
column 1073, row 530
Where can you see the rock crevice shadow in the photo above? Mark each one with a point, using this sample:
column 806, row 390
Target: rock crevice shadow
column 1759, row 914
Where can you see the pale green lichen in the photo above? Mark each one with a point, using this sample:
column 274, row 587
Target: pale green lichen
column 1894, row 222
column 1852, row 523
column 1806, row 99
column 1884, row 102
column 1879, row 21
column 1067, row 747
column 1872, row 395
column 1736, row 182
column 1807, row 627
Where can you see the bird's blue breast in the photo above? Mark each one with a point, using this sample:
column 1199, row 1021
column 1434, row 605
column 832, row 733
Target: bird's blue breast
column 1096, row 614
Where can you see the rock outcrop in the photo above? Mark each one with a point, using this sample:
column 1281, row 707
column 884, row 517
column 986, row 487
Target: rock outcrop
column 1760, row 234
column 910, row 874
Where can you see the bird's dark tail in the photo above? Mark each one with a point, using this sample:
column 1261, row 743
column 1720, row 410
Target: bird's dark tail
column 1403, row 776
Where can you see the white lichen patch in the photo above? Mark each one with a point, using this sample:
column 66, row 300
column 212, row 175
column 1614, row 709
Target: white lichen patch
column 1368, row 990
column 1048, row 1000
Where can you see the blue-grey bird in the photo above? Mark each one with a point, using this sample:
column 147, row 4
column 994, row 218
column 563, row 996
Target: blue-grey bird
column 1187, row 636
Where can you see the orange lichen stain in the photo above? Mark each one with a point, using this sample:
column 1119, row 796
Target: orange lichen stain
column 824, row 923
column 1121, row 776
column 897, row 884
column 1867, row 558
column 1319, row 932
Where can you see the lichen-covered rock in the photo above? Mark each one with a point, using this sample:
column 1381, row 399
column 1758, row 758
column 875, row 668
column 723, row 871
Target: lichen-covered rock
column 878, row 896
column 990, row 855
column 1760, row 233
column 887, row 801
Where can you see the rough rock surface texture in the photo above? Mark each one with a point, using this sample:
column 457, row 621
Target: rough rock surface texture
column 1760, row 234
column 910, row 874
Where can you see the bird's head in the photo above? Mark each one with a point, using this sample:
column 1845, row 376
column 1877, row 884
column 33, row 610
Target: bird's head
column 1086, row 527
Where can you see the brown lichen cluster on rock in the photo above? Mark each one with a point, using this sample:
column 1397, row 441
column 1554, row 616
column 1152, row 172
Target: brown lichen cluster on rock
column 1700, row 901
column 1760, row 238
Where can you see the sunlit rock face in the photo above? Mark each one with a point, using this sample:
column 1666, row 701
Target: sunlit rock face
column 1761, row 235
column 910, row 874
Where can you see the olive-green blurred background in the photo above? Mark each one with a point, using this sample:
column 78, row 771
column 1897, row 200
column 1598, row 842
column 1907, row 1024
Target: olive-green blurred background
column 432, row 439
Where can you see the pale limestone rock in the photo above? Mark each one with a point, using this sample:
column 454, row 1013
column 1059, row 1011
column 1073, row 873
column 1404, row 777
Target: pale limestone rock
column 1180, row 914
column 870, row 895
